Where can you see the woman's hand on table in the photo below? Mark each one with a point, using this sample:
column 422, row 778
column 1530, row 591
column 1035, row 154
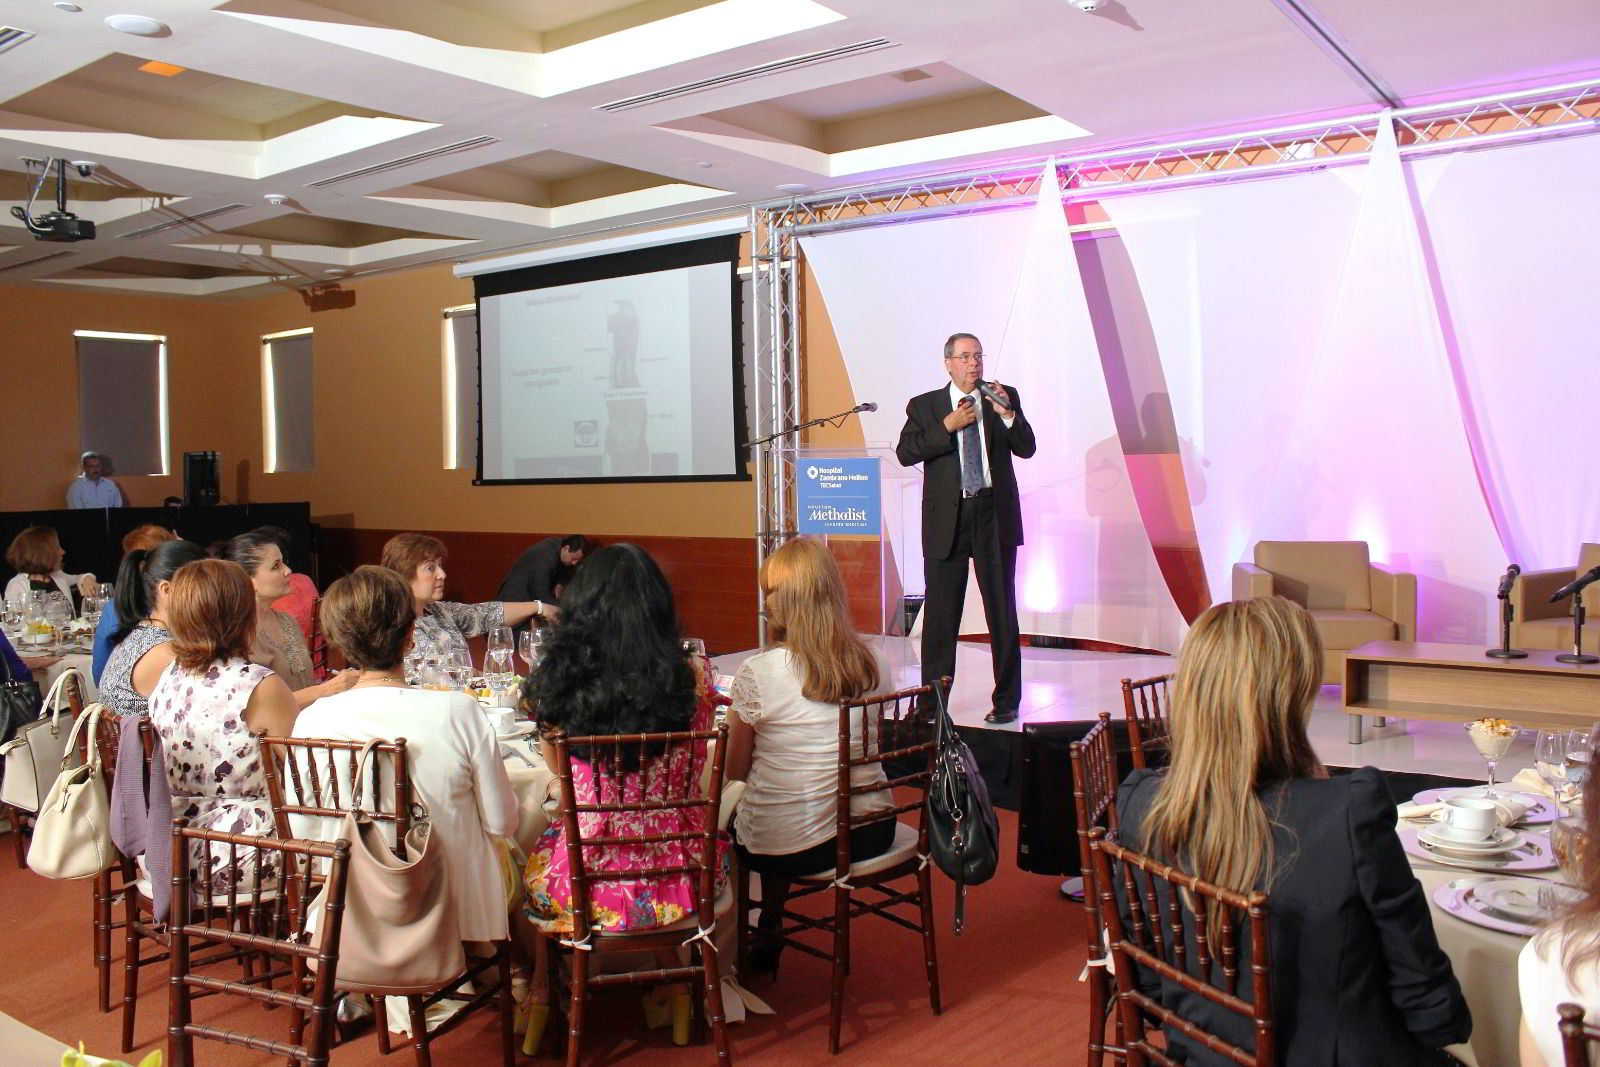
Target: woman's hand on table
column 39, row 663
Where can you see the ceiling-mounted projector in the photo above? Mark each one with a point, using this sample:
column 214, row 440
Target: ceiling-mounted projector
column 60, row 224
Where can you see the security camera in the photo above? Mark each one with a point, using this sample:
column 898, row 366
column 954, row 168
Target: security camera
column 1086, row 6
column 84, row 167
column 276, row 199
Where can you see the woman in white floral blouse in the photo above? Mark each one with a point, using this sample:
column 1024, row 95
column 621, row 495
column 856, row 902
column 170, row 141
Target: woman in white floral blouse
column 443, row 627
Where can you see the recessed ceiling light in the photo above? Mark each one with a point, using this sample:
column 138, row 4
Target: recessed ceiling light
column 62, row 5
column 336, row 272
column 792, row 187
column 166, row 70
column 704, row 164
column 138, row 25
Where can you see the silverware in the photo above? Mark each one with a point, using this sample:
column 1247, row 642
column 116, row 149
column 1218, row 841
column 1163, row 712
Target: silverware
column 507, row 749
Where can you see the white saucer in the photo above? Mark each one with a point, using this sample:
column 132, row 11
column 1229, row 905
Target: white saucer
column 1503, row 840
column 519, row 729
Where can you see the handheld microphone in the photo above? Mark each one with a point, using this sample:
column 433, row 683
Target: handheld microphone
column 1506, row 582
column 868, row 406
column 989, row 390
column 1577, row 585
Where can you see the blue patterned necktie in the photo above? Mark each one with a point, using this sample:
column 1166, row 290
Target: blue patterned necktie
column 971, row 459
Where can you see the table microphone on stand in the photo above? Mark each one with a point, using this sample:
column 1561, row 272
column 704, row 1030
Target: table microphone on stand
column 1574, row 589
column 1507, row 610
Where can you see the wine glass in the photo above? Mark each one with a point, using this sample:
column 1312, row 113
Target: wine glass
column 694, row 646
column 1492, row 738
column 1550, row 759
column 1580, row 749
column 532, row 648
column 107, row 591
column 498, row 670
column 58, row 612
column 458, row 667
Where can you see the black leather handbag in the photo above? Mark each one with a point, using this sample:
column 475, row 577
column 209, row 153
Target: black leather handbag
column 963, row 834
column 20, row 701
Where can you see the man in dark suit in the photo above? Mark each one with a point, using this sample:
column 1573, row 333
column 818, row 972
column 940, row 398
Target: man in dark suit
column 970, row 510
column 542, row 570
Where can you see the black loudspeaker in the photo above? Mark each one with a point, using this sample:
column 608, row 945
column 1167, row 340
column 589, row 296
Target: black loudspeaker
column 202, row 479
column 1047, row 827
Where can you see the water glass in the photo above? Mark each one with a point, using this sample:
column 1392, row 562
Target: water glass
column 694, row 646
column 107, row 591
column 58, row 612
column 498, row 670
column 458, row 667
column 1568, row 839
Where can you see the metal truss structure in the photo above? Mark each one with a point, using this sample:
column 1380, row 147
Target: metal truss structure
column 777, row 226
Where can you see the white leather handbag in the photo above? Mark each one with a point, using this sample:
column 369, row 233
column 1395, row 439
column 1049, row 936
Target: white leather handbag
column 72, row 832
column 31, row 758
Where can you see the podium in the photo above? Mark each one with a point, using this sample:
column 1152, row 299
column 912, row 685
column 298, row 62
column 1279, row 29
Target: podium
column 867, row 509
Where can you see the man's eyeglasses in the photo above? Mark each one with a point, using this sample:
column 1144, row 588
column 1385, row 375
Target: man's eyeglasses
column 970, row 358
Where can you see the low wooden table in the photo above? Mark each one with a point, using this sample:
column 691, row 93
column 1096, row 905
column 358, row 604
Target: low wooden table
column 1458, row 683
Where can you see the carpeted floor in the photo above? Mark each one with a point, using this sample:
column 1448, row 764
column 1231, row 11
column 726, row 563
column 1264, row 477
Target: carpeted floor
column 1010, row 988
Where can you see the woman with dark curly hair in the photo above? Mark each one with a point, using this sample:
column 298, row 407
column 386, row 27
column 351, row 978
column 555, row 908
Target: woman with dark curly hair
column 615, row 665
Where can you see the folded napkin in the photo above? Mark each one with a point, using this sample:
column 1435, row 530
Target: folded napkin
column 1511, row 809
column 1529, row 781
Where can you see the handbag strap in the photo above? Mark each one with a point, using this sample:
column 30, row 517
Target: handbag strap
column 419, row 810
column 91, row 715
column 52, row 699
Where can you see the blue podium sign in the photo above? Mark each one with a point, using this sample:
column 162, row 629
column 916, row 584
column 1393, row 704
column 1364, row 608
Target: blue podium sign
column 837, row 496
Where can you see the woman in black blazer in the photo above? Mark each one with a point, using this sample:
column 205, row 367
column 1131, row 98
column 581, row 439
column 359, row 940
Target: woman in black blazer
column 1358, row 976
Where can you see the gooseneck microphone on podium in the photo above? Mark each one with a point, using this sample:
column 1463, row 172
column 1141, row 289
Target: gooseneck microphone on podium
column 833, row 420
column 1577, row 585
column 1507, row 610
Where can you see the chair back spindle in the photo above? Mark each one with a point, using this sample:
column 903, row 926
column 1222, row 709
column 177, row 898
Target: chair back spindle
column 1146, row 703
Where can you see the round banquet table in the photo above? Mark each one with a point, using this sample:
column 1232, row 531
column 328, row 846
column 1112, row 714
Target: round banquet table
column 1485, row 963
column 47, row 677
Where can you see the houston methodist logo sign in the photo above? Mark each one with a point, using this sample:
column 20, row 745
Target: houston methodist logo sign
column 838, row 496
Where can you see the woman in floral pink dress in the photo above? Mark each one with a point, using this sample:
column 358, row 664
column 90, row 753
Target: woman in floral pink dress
column 616, row 665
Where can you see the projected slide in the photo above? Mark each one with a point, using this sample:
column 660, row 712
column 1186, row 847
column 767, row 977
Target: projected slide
column 624, row 377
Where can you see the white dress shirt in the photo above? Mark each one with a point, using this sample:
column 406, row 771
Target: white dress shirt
column 983, row 436
column 101, row 493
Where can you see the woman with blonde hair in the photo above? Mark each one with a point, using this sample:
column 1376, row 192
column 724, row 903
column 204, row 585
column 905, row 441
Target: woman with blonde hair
column 1358, row 976
column 784, row 731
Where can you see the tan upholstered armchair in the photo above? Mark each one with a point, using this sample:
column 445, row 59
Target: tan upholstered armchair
column 1541, row 624
column 1351, row 599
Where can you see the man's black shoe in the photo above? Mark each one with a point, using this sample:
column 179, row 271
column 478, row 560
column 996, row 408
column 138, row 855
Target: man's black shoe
column 1000, row 717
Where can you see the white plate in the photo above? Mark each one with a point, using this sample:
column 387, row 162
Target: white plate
column 1519, row 897
column 1543, row 810
column 1460, row 899
column 1534, row 854
column 1502, row 840
column 518, row 729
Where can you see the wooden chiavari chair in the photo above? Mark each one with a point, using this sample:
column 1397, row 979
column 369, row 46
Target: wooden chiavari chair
column 586, row 944
column 253, row 918
column 1156, row 918
column 1094, row 796
column 893, row 732
column 1578, row 1037
column 1146, row 703
column 312, row 778
column 111, row 885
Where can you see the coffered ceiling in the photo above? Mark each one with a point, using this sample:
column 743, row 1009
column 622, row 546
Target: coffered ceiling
column 398, row 132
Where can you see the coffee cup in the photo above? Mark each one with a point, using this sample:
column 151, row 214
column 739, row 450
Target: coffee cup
column 1469, row 818
column 502, row 719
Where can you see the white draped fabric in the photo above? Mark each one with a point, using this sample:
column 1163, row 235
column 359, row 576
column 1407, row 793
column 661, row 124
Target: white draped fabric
column 1320, row 395
column 894, row 293
column 1514, row 232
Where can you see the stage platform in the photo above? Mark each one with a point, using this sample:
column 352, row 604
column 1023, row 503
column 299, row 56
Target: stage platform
column 1060, row 685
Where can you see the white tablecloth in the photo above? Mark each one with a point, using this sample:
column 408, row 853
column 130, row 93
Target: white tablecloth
column 1485, row 963
column 47, row 677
